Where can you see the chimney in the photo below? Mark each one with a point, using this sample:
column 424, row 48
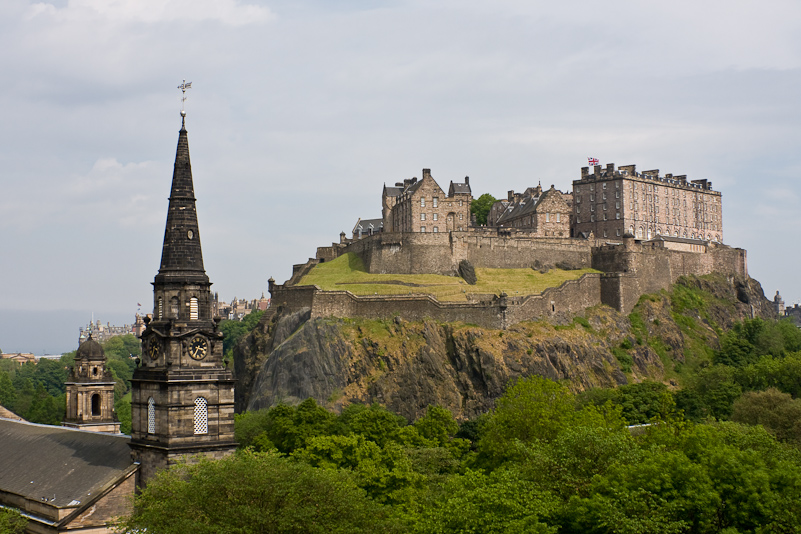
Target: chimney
column 426, row 172
column 610, row 169
column 585, row 171
column 597, row 171
column 510, row 195
column 467, row 180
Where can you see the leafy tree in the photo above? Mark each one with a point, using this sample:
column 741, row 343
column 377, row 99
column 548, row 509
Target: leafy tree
column 255, row 492
column 384, row 472
column 481, row 206
column 8, row 394
column 286, row 427
column 123, row 410
column 234, row 330
column 500, row 502
column 710, row 393
column 778, row 412
column 746, row 342
column 532, row 409
column 11, row 522
column 640, row 402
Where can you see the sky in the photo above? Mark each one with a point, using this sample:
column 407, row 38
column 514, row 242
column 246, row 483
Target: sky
column 301, row 110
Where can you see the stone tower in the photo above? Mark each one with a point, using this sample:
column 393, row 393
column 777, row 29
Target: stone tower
column 182, row 403
column 90, row 391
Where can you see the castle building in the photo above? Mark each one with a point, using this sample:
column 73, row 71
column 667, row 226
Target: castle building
column 422, row 206
column 613, row 203
column 182, row 393
column 90, row 391
column 542, row 214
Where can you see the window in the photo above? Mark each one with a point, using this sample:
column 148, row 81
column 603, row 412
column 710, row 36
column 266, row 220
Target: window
column 578, row 210
column 423, row 229
column 592, row 218
column 436, row 214
column 604, row 216
column 617, row 194
column 617, row 232
column 617, row 205
column 604, row 207
column 436, row 201
column 460, row 203
column 96, row 404
column 151, row 416
column 604, row 185
column 436, row 229
column 174, row 307
column 617, row 215
column 603, row 195
column 422, row 216
column 592, row 198
column 460, row 216
column 422, row 203
column 592, row 207
column 161, row 308
column 193, row 308
column 201, row 416
column 557, row 217
column 604, row 232
column 547, row 217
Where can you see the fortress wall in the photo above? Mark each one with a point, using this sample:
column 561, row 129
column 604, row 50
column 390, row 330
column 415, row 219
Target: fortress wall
column 521, row 252
column 489, row 312
column 572, row 297
column 440, row 253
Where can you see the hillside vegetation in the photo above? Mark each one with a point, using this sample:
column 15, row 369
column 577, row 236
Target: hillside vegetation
column 347, row 272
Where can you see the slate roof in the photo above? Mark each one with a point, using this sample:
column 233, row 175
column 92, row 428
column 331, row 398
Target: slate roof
column 63, row 466
column 518, row 208
column 181, row 255
column 393, row 191
column 459, row 189
column 365, row 225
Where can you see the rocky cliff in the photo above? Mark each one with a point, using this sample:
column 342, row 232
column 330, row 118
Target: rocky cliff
column 407, row 366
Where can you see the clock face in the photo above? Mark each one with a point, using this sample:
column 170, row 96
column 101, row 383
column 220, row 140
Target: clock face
column 153, row 348
column 198, row 347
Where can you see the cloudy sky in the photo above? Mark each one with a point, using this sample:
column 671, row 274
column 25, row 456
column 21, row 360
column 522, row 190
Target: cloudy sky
column 301, row 110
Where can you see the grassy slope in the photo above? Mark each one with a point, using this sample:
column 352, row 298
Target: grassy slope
column 347, row 273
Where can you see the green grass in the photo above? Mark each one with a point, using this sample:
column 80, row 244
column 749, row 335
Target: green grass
column 347, row 273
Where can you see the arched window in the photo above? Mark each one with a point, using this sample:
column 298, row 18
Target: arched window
column 96, row 404
column 174, row 307
column 193, row 308
column 151, row 416
column 201, row 416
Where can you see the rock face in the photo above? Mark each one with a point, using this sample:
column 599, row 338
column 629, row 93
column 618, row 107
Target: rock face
column 408, row 366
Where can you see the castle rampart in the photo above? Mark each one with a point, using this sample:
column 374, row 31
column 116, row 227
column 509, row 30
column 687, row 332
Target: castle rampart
column 629, row 269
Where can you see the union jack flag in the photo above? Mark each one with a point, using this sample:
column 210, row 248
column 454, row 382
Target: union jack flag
column 593, row 161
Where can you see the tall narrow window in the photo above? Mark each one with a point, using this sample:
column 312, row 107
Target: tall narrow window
column 193, row 308
column 422, row 203
column 174, row 307
column 151, row 416
column 161, row 308
column 201, row 416
column 436, row 201
column 96, row 404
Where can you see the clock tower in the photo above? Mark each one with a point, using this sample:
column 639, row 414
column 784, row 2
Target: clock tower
column 182, row 403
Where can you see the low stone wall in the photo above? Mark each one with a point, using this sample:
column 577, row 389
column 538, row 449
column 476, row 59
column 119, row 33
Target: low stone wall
column 493, row 312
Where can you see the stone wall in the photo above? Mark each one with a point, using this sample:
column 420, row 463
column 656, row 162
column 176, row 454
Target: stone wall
column 418, row 253
column 488, row 311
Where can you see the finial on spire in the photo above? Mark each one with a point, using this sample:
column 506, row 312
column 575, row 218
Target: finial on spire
column 183, row 87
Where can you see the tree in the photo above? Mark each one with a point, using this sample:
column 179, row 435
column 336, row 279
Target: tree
column 255, row 492
column 481, row 206
column 11, row 522
column 778, row 412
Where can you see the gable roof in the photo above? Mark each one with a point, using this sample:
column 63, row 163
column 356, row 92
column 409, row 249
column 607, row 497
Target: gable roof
column 456, row 189
column 366, row 224
column 61, row 466
column 393, row 191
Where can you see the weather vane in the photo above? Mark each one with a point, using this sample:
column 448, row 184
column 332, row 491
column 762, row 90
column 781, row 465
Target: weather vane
column 183, row 87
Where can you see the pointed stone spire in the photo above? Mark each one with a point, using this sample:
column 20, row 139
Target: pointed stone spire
column 181, row 255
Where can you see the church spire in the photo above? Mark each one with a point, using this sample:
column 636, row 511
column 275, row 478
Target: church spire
column 181, row 254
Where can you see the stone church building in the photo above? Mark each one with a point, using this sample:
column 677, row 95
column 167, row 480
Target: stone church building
column 79, row 477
